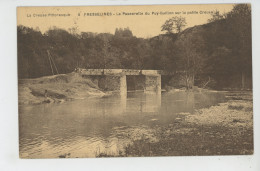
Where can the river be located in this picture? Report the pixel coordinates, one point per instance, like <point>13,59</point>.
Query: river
<point>89,127</point>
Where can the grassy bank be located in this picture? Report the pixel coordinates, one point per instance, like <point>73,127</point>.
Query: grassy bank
<point>225,129</point>
<point>57,88</point>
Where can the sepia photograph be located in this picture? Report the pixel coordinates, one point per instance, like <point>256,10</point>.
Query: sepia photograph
<point>135,81</point>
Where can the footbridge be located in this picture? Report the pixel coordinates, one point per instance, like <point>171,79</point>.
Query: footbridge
<point>117,79</point>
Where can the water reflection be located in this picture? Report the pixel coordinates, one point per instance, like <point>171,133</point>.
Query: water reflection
<point>85,128</point>
<point>143,102</point>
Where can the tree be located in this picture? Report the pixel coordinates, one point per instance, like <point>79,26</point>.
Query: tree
<point>230,46</point>
<point>215,16</point>
<point>126,32</point>
<point>240,22</point>
<point>162,53</point>
<point>191,56</point>
<point>174,25</point>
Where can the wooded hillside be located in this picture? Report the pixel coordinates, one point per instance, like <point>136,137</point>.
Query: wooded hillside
<point>219,52</point>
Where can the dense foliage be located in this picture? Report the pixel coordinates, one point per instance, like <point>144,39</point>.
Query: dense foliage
<point>217,54</point>
<point>89,50</point>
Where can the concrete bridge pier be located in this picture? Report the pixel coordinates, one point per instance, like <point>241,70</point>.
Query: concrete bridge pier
<point>153,83</point>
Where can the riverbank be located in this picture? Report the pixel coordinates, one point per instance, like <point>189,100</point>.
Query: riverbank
<point>225,129</point>
<point>56,89</point>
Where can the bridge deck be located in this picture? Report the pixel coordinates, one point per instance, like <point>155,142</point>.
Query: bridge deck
<point>122,72</point>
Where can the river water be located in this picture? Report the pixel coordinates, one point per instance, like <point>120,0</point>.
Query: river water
<point>89,127</point>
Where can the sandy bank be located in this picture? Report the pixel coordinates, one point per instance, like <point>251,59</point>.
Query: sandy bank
<point>231,114</point>
<point>57,88</point>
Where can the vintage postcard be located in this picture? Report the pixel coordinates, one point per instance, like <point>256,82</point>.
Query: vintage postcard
<point>132,81</point>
